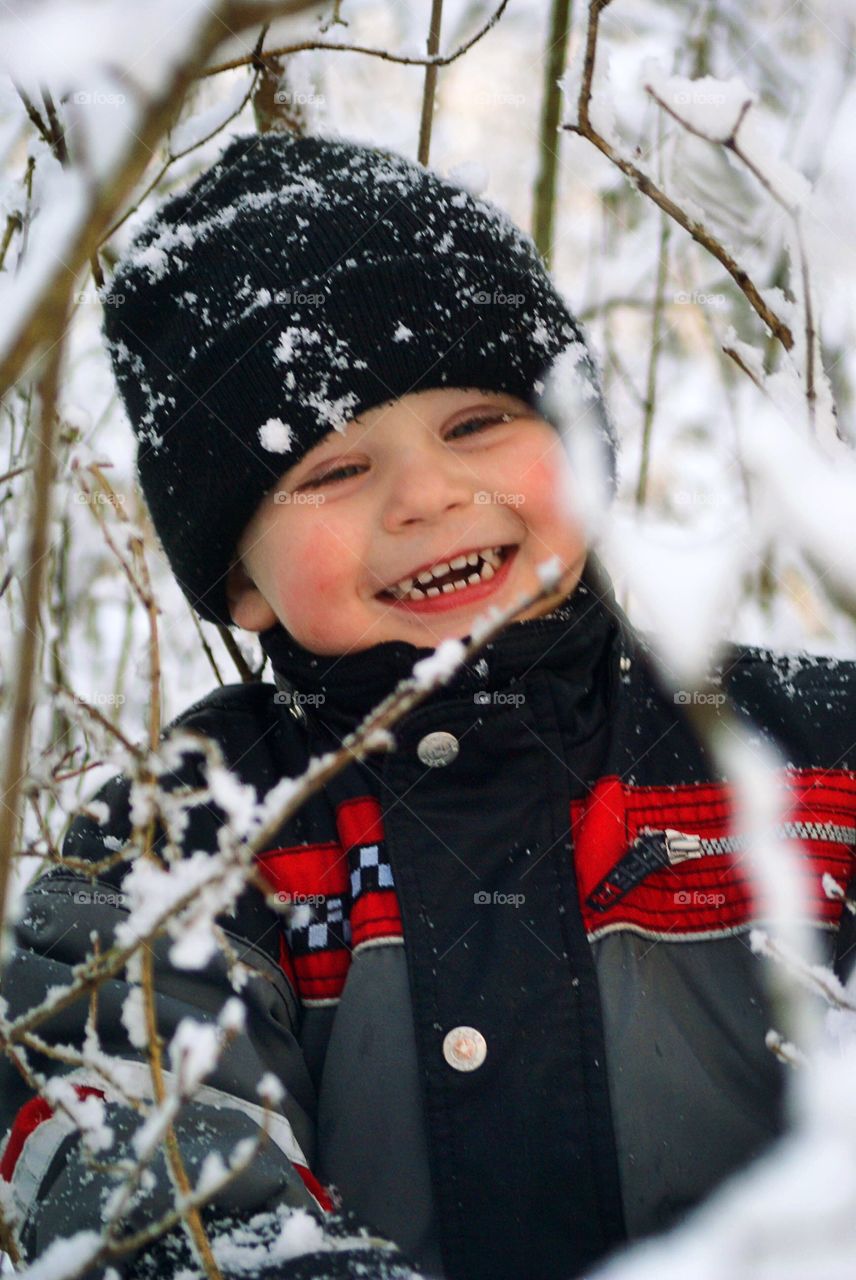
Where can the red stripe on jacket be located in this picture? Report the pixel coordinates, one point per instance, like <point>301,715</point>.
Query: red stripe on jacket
<point>716,892</point>
<point>28,1119</point>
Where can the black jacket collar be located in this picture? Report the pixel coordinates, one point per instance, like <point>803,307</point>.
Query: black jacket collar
<point>344,688</point>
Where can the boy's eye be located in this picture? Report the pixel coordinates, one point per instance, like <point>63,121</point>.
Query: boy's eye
<point>338,473</point>
<point>474,424</point>
<point>465,428</point>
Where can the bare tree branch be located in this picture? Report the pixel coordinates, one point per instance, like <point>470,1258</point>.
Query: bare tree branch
<point>647,187</point>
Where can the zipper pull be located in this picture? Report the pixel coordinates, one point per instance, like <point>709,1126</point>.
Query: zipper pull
<point>650,851</point>
<point>681,847</point>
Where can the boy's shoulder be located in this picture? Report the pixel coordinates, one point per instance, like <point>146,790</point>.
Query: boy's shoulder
<point>250,697</point>
<point>252,723</point>
<point>786,671</point>
<point>227,708</point>
<point>256,737</point>
<point>807,700</point>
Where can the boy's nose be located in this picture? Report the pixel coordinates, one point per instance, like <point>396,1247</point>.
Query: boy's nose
<point>424,485</point>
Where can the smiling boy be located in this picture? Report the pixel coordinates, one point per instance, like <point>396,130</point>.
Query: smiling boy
<point>424,483</point>
<point>515,1027</point>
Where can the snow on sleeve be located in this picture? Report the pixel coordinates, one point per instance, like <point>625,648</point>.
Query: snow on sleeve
<point>134,1018</point>
<point>194,1050</point>
<point>65,1257</point>
<point>402,333</point>
<point>270,1089</point>
<point>87,1113</point>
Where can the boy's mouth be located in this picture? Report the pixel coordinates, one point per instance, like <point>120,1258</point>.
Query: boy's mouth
<point>464,579</point>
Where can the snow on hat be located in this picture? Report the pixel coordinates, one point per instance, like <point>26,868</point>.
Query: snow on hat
<point>296,284</point>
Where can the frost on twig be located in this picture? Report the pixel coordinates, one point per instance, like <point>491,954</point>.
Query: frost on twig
<point>587,127</point>
<point>814,977</point>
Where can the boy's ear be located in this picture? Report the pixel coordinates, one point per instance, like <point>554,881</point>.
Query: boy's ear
<point>247,605</point>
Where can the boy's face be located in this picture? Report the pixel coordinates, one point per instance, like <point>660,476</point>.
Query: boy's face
<point>408,485</point>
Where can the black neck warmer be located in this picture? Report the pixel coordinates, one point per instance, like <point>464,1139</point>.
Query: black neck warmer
<point>573,638</point>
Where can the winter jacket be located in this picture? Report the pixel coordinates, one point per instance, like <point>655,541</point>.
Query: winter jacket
<point>514,1005</point>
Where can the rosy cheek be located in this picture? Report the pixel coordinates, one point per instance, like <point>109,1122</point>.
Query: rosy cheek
<point>314,567</point>
<point>544,488</point>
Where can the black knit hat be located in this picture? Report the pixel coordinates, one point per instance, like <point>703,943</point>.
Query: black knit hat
<point>296,284</point>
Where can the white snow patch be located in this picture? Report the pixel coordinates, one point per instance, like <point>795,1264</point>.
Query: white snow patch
<point>441,664</point>
<point>276,436</point>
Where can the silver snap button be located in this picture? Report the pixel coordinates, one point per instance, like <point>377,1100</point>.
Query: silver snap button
<point>437,749</point>
<point>464,1048</point>
<point>624,662</point>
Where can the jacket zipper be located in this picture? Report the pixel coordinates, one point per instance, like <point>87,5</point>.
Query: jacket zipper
<point>653,850</point>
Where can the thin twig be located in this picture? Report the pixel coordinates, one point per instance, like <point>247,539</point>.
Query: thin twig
<point>179,155</point>
<point>546,181</point>
<point>23,692</point>
<point>653,360</point>
<point>429,93</point>
<point>45,316</point>
<point>190,1213</point>
<point>731,143</point>
<point>584,127</point>
<point>235,654</point>
<point>403,59</point>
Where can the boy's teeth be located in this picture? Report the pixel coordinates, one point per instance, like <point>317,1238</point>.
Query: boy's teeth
<point>488,561</point>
